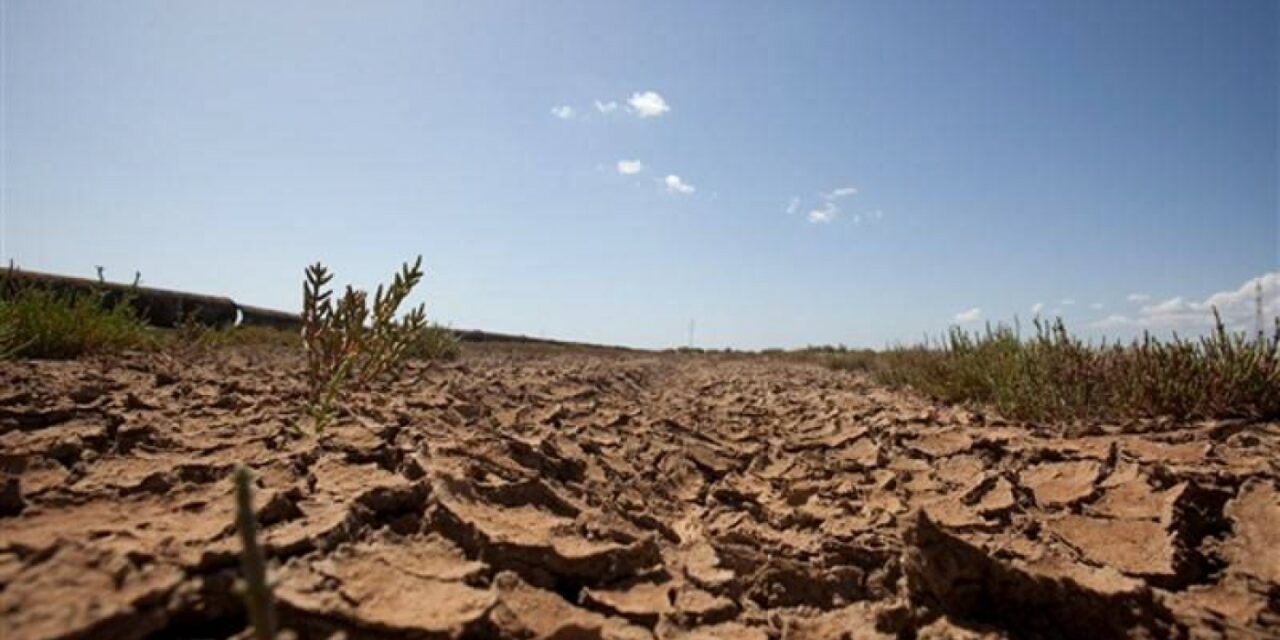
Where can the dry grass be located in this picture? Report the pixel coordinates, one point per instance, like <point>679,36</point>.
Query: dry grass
<point>1055,376</point>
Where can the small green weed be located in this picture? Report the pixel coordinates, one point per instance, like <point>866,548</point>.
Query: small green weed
<point>349,342</point>
<point>253,565</point>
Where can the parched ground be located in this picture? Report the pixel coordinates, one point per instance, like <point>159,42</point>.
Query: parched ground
<point>553,494</point>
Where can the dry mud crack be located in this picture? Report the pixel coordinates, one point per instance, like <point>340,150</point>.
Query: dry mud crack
<point>535,494</point>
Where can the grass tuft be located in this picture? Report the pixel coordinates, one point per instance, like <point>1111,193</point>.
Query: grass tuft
<point>40,323</point>
<point>434,342</point>
<point>1057,376</point>
<point>192,337</point>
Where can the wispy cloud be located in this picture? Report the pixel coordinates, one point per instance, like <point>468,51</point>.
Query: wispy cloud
<point>1172,305</point>
<point>1067,302</point>
<point>648,104</point>
<point>1112,322</point>
<point>828,209</point>
<point>824,214</point>
<point>630,167</point>
<point>1238,308</point>
<point>1037,308</point>
<point>1097,306</point>
<point>841,192</point>
<point>1139,297</point>
<point>867,216</point>
<point>643,104</point>
<point>971,315</point>
<point>674,184</point>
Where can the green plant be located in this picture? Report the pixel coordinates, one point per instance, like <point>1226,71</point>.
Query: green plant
<point>256,590</point>
<point>37,322</point>
<point>9,345</point>
<point>1054,375</point>
<point>349,342</point>
<point>434,342</point>
<point>192,337</point>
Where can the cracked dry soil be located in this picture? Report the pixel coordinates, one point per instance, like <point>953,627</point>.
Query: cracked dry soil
<point>591,494</point>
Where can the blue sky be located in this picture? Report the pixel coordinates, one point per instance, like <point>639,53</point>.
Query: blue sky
<point>1004,154</point>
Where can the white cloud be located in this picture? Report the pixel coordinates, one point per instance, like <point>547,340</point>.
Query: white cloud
<point>1037,308</point>
<point>564,112</point>
<point>1097,306</point>
<point>841,192</point>
<point>971,315</point>
<point>868,216</point>
<point>824,215</point>
<point>630,167</point>
<point>606,107</point>
<point>675,185</point>
<point>828,210</point>
<point>648,104</point>
<point>1172,305</point>
<point>1112,322</point>
<point>1066,302</point>
<point>1139,297</point>
<point>1237,307</point>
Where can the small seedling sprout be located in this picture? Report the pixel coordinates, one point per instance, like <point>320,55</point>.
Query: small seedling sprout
<point>257,593</point>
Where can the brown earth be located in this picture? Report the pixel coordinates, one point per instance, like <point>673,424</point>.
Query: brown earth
<point>534,494</point>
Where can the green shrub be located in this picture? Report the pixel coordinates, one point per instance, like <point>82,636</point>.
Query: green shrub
<point>434,342</point>
<point>353,340</point>
<point>36,322</point>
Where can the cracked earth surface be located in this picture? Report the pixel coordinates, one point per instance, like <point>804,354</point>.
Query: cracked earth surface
<point>557,494</point>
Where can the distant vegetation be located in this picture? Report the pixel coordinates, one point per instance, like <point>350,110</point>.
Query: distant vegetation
<point>46,322</point>
<point>1054,375</point>
<point>434,342</point>
<point>192,336</point>
<point>40,323</point>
